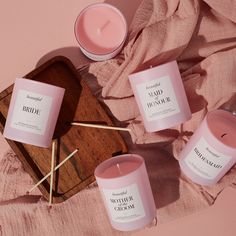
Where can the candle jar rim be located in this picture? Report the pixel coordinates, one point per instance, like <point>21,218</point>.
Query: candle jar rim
<point>118,11</point>
<point>151,69</point>
<point>38,83</point>
<point>102,166</point>
<point>209,117</point>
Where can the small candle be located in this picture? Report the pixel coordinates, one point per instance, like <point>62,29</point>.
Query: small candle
<point>33,112</point>
<point>126,191</point>
<point>100,30</point>
<point>160,96</point>
<point>211,151</point>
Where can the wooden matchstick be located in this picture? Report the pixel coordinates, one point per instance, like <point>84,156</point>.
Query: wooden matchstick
<point>52,167</point>
<point>57,167</point>
<point>100,126</point>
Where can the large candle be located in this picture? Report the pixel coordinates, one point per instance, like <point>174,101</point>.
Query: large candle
<point>100,30</point>
<point>211,151</point>
<point>126,191</point>
<point>160,96</point>
<point>33,112</point>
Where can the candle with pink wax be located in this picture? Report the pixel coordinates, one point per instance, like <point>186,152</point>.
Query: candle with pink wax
<point>160,96</point>
<point>100,30</point>
<point>33,112</point>
<point>211,151</point>
<point>126,191</point>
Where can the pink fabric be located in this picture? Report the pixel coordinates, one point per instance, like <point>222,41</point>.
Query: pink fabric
<point>201,35</point>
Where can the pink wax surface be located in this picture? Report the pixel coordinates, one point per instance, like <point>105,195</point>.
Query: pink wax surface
<point>100,28</point>
<point>120,169</point>
<point>224,128</point>
<point>23,123</point>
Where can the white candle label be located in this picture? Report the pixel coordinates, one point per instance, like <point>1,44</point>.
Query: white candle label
<point>31,112</point>
<point>158,98</point>
<point>205,161</point>
<point>124,204</point>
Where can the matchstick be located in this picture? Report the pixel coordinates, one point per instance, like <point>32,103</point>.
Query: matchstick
<point>57,167</point>
<point>52,167</point>
<point>100,126</point>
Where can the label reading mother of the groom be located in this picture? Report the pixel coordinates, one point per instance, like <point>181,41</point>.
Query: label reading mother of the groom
<point>205,161</point>
<point>158,98</point>
<point>124,204</point>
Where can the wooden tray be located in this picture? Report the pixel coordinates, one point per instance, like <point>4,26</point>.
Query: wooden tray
<point>95,145</point>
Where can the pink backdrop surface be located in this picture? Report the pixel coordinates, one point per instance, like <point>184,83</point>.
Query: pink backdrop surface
<point>32,32</point>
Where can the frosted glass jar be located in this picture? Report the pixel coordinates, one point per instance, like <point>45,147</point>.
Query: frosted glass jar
<point>33,112</point>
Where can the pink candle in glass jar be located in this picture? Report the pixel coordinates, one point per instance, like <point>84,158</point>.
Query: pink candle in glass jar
<point>211,151</point>
<point>126,191</point>
<point>100,30</point>
<point>160,96</point>
<point>33,112</point>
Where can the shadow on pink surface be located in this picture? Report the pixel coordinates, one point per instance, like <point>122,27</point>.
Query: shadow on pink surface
<point>127,10</point>
<point>163,171</point>
<point>73,53</point>
<point>25,199</point>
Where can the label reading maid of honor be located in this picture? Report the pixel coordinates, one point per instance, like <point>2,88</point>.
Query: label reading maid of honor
<point>124,204</point>
<point>158,98</point>
<point>205,161</point>
<point>31,112</point>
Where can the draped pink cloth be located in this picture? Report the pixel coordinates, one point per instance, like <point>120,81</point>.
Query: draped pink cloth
<point>201,36</point>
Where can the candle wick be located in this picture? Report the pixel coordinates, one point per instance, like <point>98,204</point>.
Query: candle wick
<point>223,135</point>
<point>100,29</point>
<point>118,166</point>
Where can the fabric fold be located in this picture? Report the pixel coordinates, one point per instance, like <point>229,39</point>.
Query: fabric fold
<point>201,36</point>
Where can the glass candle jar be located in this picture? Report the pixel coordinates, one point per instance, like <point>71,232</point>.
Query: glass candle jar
<point>126,191</point>
<point>160,96</point>
<point>33,112</point>
<point>211,151</point>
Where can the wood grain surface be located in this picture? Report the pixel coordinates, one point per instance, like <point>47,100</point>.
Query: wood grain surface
<point>95,145</point>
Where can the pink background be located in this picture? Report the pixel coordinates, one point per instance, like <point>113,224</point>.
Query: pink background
<point>217,220</point>
<point>32,32</point>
